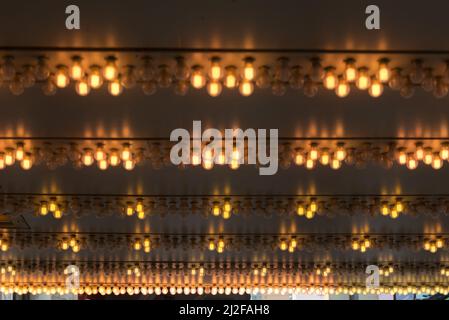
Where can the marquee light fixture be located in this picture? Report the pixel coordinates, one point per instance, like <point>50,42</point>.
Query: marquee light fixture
<point>212,277</point>
<point>107,153</point>
<point>176,68</point>
<point>288,242</point>
<point>224,206</point>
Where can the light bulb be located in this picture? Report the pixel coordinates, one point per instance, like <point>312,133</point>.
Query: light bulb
<point>299,156</point>
<point>441,88</point>
<point>385,210</point>
<point>149,87</point>
<point>16,86</point>
<point>114,158</point>
<point>20,151</point>
<point>282,70</point>
<point>95,79</point>
<point>340,153</point>
<point>164,77</point>
<point>27,162</point>
<point>76,70</point>
<point>296,80</point>
<point>376,89</point>
<point>128,78</point>
<point>310,164</point>
<point>325,157</point>
<point>42,71</point>
<point>230,78</point>
<point>350,73</point>
<point>146,71</point>
<point>182,71</point>
<point>115,88</point>
<point>335,164</point>
<point>43,208</point>
<point>126,154</point>
<point>419,151</point>
<point>139,206</point>
<point>316,73</point>
<point>57,214</point>
<point>428,84</point>
<point>396,79</point>
<point>214,88</point>
<point>110,71</point>
<point>100,154</point>
<point>103,164</point>
<point>363,81</point>
<point>28,77</point>
<point>310,87</point>
<point>88,157</point>
<point>215,71</point>
<point>129,165</point>
<point>8,69</point>
<point>216,211</point>
<point>249,73</point>
<point>10,158</point>
<point>402,156</point>
<point>417,74</point>
<point>2,161</point>
<point>343,88</point>
<point>198,79</point>
<point>49,87</point>
<point>428,156</point>
<point>330,79</point>
<point>82,87</point>
<point>412,163</point>
<point>246,88</point>
<point>437,162</point>
<point>62,76</point>
<point>407,90</point>
<point>444,152</point>
<point>383,72</point>
<point>300,210</point>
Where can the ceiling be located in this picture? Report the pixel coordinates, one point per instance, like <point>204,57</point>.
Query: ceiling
<point>320,24</point>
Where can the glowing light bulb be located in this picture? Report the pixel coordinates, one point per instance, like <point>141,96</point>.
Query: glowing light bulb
<point>419,151</point>
<point>57,214</point>
<point>246,88</point>
<point>137,246</point>
<point>100,154</point>
<point>330,79</point>
<point>95,79</point>
<point>300,210</point>
<point>198,79</point>
<point>376,89</point>
<point>129,209</point>
<point>437,162</point>
<point>103,164</point>
<point>428,156</point>
<point>249,73</point>
<point>211,245</point>
<point>299,157</point>
<point>227,207</point>
<point>310,164</point>
<point>215,72</point>
<point>343,88</point>
<point>325,157</point>
<point>10,158</point>
<point>82,87</point>
<point>76,70</point>
<point>214,88</point>
<point>115,88</point>
<point>114,158</point>
<point>62,76</point>
<point>402,156</point>
<point>52,206</point>
<point>129,165</point>
<point>385,210</point>
<point>350,73</point>
<point>126,152</point>
<point>313,153</point>
<point>383,72</point>
<point>412,163</point>
<point>88,157</point>
<point>399,206</point>
<point>20,151</point>
<point>230,79</point>
<point>27,162</point>
<point>444,152</point>
<point>363,81</point>
<point>335,164</point>
<point>110,71</point>
<point>43,208</point>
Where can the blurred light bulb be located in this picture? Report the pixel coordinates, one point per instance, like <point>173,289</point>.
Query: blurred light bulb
<point>182,71</point>
<point>412,163</point>
<point>62,76</point>
<point>129,79</point>
<point>330,79</point>
<point>147,69</point>
<point>8,69</point>
<point>149,87</point>
<point>82,87</point>
<point>115,88</point>
<point>42,71</point>
<point>350,73</point>
<point>246,88</point>
<point>214,88</point>
<point>249,73</point>
<point>88,157</point>
<point>376,89</point>
<point>444,152</point>
<point>296,80</point>
<point>316,73</point>
<point>215,71</point>
<point>114,158</point>
<point>198,79</point>
<point>363,82</point>
<point>417,73</point>
<point>129,165</point>
<point>310,87</point>
<point>264,79</point>
<point>383,72</point>
<point>76,69</point>
<point>27,162</point>
<point>441,88</point>
<point>230,78</point>
<point>95,79</point>
<point>16,86</point>
<point>10,158</point>
<point>28,76</point>
<point>110,71</point>
<point>437,162</point>
<point>49,87</point>
<point>20,151</point>
<point>164,77</point>
<point>282,70</point>
<point>343,88</point>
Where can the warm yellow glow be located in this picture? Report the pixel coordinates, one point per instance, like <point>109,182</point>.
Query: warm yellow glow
<point>230,79</point>
<point>129,165</point>
<point>383,73</point>
<point>214,88</point>
<point>216,71</point>
<point>343,88</point>
<point>88,157</point>
<point>363,81</point>
<point>62,77</point>
<point>249,72</point>
<point>114,158</point>
<point>27,162</point>
<point>330,80</point>
<point>350,70</point>
<point>115,88</point>
<point>110,71</point>
<point>76,70</point>
<point>246,88</point>
<point>198,79</point>
<point>82,87</point>
<point>94,79</point>
<point>376,89</point>
<point>419,152</point>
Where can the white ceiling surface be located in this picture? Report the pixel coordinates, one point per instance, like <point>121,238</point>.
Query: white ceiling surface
<point>247,24</point>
